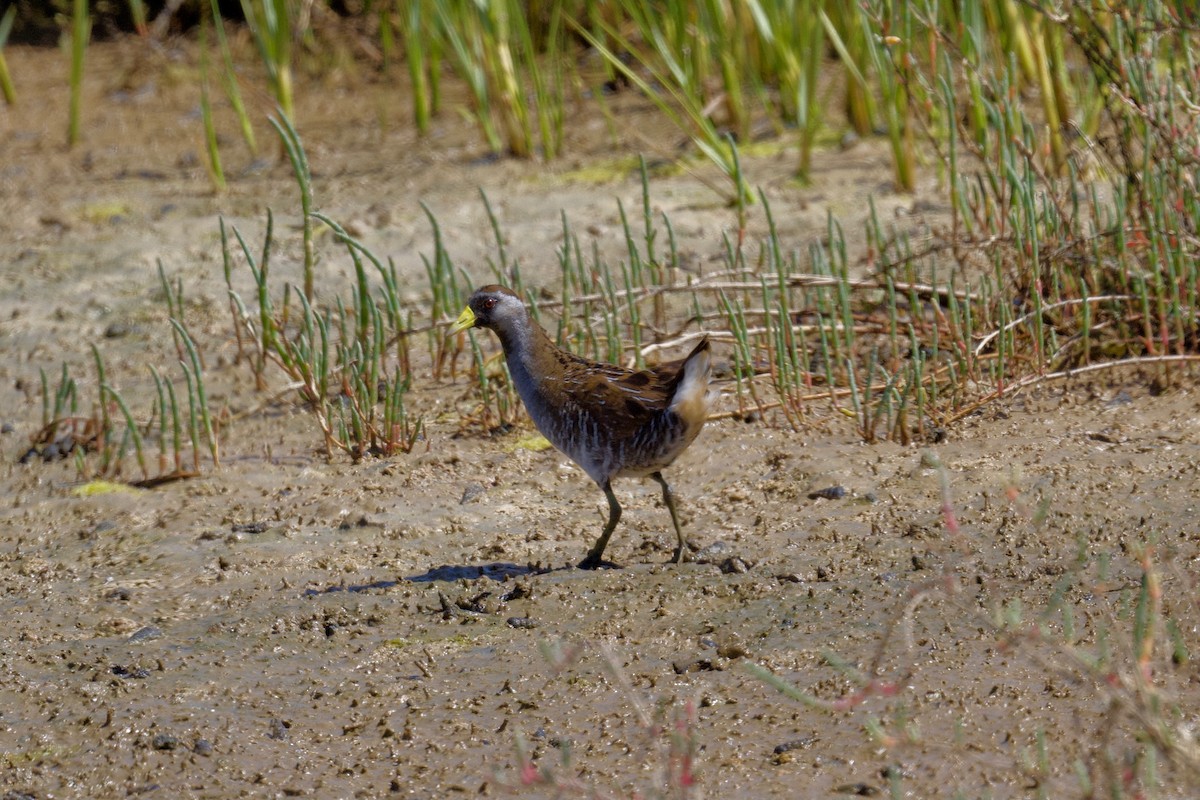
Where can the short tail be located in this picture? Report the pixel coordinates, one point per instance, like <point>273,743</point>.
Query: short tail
<point>691,399</point>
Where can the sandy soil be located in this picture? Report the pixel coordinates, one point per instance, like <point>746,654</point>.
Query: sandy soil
<point>379,633</point>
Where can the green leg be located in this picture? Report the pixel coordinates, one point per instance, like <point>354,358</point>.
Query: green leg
<point>669,499</point>
<point>593,559</point>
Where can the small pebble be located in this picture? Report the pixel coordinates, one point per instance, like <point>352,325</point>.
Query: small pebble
<point>278,730</point>
<point>731,650</point>
<point>682,666</point>
<point>524,623</point>
<point>121,671</point>
<point>164,741</point>
<point>6,427</point>
<point>709,554</point>
<point>734,566</point>
<point>144,634</point>
<point>828,493</point>
<point>471,492</point>
<point>1121,398</point>
<point>202,747</point>
<point>795,744</point>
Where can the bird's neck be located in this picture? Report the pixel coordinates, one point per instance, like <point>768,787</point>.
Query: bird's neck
<point>525,349</point>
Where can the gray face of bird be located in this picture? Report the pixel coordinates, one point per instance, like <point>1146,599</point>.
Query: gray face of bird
<point>499,309</point>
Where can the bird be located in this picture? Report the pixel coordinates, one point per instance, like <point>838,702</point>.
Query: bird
<point>611,421</point>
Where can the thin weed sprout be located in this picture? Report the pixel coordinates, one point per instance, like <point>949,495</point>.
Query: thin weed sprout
<point>102,440</point>
<point>1129,659</point>
<point>665,730</point>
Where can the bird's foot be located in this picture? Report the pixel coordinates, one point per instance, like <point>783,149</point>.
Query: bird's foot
<point>594,561</point>
<point>683,553</point>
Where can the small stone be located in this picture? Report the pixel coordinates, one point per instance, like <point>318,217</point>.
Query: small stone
<point>144,634</point>
<point>138,673</point>
<point>731,650</point>
<point>734,566</point>
<point>713,552</point>
<point>278,730</point>
<point>471,492</point>
<point>164,741</point>
<point>683,666</point>
<point>522,623</point>
<point>802,743</point>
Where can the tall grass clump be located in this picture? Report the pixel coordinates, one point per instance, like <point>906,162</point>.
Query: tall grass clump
<point>6,85</point>
<point>517,82</point>
<point>271,23</point>
<point>233,92</point>
<point>423,55</point>
<point>675,58</point>
<point>215,169</point>
<point>1043,272</point>
<point>81,31</point>
<point>346,360</point>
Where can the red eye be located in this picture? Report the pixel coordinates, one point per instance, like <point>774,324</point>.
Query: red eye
<point>489,303</point>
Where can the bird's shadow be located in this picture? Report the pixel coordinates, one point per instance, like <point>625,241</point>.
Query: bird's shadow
<point>502,571</point>
<point>498,571</point>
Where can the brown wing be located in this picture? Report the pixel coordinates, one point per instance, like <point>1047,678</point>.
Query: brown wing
<point>624,399</point>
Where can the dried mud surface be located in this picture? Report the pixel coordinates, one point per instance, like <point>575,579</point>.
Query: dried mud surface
<point>378,634</point>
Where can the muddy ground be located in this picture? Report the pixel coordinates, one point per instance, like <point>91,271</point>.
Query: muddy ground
<point>378,633</point>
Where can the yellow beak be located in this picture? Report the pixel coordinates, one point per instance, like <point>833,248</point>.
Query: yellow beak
<point>465,320</point>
